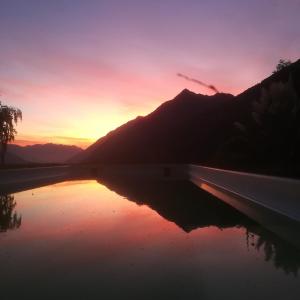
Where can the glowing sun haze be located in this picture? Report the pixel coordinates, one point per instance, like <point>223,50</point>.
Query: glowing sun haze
<point>79,69</point>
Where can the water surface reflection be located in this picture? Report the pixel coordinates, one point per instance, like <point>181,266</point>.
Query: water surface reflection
<point>83,240</point>
<point>190,208</point>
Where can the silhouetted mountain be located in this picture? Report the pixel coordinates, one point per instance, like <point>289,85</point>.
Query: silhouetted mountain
<point>174,132</point>
<point>193,128</point>
<point>47,153</point>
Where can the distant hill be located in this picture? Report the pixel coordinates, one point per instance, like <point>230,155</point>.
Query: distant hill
<point>43,153</point>
<point>13,159</point>
<point>194,128</point>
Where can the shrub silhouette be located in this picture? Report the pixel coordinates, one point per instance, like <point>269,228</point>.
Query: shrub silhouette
<point>9,117</point>
<point>281,65</point>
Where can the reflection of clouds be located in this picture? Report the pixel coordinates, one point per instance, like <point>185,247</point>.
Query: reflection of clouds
<point>9,219</point>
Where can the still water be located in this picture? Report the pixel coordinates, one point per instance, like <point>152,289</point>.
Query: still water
<point>125,239</point>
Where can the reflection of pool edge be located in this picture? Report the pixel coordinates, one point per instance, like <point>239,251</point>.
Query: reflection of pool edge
<point>285,227</point>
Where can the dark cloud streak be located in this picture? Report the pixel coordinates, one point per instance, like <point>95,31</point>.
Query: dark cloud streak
<point>209,86</point>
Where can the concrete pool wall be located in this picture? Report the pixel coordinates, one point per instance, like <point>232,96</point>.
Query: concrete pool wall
<point>271,201</point>
<point>15,180</point>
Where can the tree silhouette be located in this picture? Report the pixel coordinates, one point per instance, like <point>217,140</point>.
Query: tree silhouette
<point>276,119</point>
<point>271,138</point>
<point>282,64</point>
<point>9,219</point>
<point>9,117</point>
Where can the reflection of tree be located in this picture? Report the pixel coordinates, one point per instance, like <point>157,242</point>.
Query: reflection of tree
<point>9,219</point>
<point>282,254</point>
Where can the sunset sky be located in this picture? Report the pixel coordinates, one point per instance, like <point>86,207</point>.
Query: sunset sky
<point>80,68</point>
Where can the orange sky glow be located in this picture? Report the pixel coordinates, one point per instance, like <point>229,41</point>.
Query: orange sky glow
<point>78,70</point>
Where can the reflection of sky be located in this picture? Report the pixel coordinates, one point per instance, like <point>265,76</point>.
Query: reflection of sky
<point>79,238</point>
<point>80,68</point>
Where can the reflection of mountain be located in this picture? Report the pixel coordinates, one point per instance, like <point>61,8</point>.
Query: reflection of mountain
<point>9,219</point>
<point>180,202</point>
<point>190,208</point>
